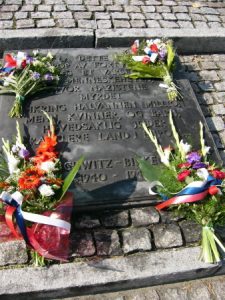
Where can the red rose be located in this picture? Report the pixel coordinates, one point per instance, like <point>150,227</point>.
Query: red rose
<point>154,48</point>
<point>23,64</point>
<point>213,190</point>
<point>182,175</point>
<point>134,49</point>
<point>184,165</point>
<point>146,60</point>
<point>218,174</point>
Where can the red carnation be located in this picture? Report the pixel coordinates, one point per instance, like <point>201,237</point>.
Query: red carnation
<point>154,48</point>
<point>184,165</point>
<point>182,175</point>
<point>213,190</point>
<point>218,174</point>
<point>146,60</point>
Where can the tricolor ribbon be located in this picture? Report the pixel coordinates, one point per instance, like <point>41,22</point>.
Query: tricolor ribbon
<point>195,191</point>
<point>14,202</point>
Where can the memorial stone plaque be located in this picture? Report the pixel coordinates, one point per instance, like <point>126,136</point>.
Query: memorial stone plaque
<point>98,113</point>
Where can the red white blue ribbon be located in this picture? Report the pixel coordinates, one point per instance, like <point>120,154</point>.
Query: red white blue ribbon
<point>195,191</point>
<point>14,202</point>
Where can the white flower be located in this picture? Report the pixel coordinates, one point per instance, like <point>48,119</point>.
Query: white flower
<point>12,163</point>
<point>167,152</point>
<point>165,161</point>
<point>203,173</point>
<point>47,166</point>
<point>21,56</point>
<point>8,80</point>
<point>49,55</point>
<point>35,52</point>
<point>46,190</point>
<point>185,147</point>
<point>206,149</point>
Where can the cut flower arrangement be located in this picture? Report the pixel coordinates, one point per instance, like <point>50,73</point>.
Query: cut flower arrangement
<point>191,185</point>
<point>25,75</point>
<point>33,191</point>
<point>151,59</point>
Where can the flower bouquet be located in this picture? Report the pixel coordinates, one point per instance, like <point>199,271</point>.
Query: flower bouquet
<point>33,191</point>
<point>24,75</point>
<point>151,59</point>
<point>191,186</point>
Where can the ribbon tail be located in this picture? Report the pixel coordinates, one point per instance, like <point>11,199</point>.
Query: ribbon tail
<point>9,220</point>
<point>182,199</point>
<point>42,251</point>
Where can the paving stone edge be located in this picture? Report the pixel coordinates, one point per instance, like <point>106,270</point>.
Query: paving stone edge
<point>46,38</point>
<point>187,41</point>
<point>113,274</point>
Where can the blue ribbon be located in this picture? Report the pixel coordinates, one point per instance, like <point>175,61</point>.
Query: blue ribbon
<point>19,218</point>
<point>196,190</point>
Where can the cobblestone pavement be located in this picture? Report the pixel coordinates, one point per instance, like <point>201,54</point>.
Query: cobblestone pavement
<point>94,14</point>
<point>213,289</point>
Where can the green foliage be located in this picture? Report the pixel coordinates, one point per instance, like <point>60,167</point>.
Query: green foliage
<point>207,212</point>
<point>149,171</point>
<point>70,177</point>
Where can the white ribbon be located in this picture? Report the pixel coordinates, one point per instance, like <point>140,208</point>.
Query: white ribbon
<point>202,173</point>
<point>51,220</point>
<point>138,58</point>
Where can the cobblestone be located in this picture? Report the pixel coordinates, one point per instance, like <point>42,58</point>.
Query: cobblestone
<point>215,123</point>
<point>21,15</point>
<point>87,222</point>
<point>115,219</point>
<point>107,243</point>
<point>191,231</point>
<point>82,244</point>
<point>175,14</point>
<point>167,236</point>
<point>45,23</point>
<point>152,23</point>
<point>137,239</point>
<point>66,23</point>
<point>104,24</point>
<point>26,23</point>
<point>144,216</point>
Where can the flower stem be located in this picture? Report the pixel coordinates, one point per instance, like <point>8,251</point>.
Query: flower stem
<point>17,109</point>
<point>209,252</point>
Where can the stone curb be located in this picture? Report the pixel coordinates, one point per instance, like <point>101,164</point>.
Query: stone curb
<point>107,275</point>
<point>46,38</point>
<point>187,41</point>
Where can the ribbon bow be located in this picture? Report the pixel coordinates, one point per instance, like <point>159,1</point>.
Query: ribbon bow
<point>14,203</point>
<point>195,191</point>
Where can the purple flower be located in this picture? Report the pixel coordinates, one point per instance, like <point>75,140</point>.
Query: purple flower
<point>24,153</point>
<point>48,77</point>
<point>193,157</point>
<point>162,54</point>
<point>29,59</point>
<point>36,75</point>
<point>199,165</point>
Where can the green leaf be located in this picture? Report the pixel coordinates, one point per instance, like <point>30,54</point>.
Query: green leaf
<point>149,171</point>
<point>170,55</point>
<point>189,179</point>
<point>70,177</point>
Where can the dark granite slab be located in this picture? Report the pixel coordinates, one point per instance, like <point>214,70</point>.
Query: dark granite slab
<point>98,114</point>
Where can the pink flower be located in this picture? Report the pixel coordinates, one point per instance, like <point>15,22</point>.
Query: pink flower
<point>146,60</point>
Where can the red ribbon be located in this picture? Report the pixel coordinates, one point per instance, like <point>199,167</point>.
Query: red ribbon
<point>49,241</point>
<point>182,199</point>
